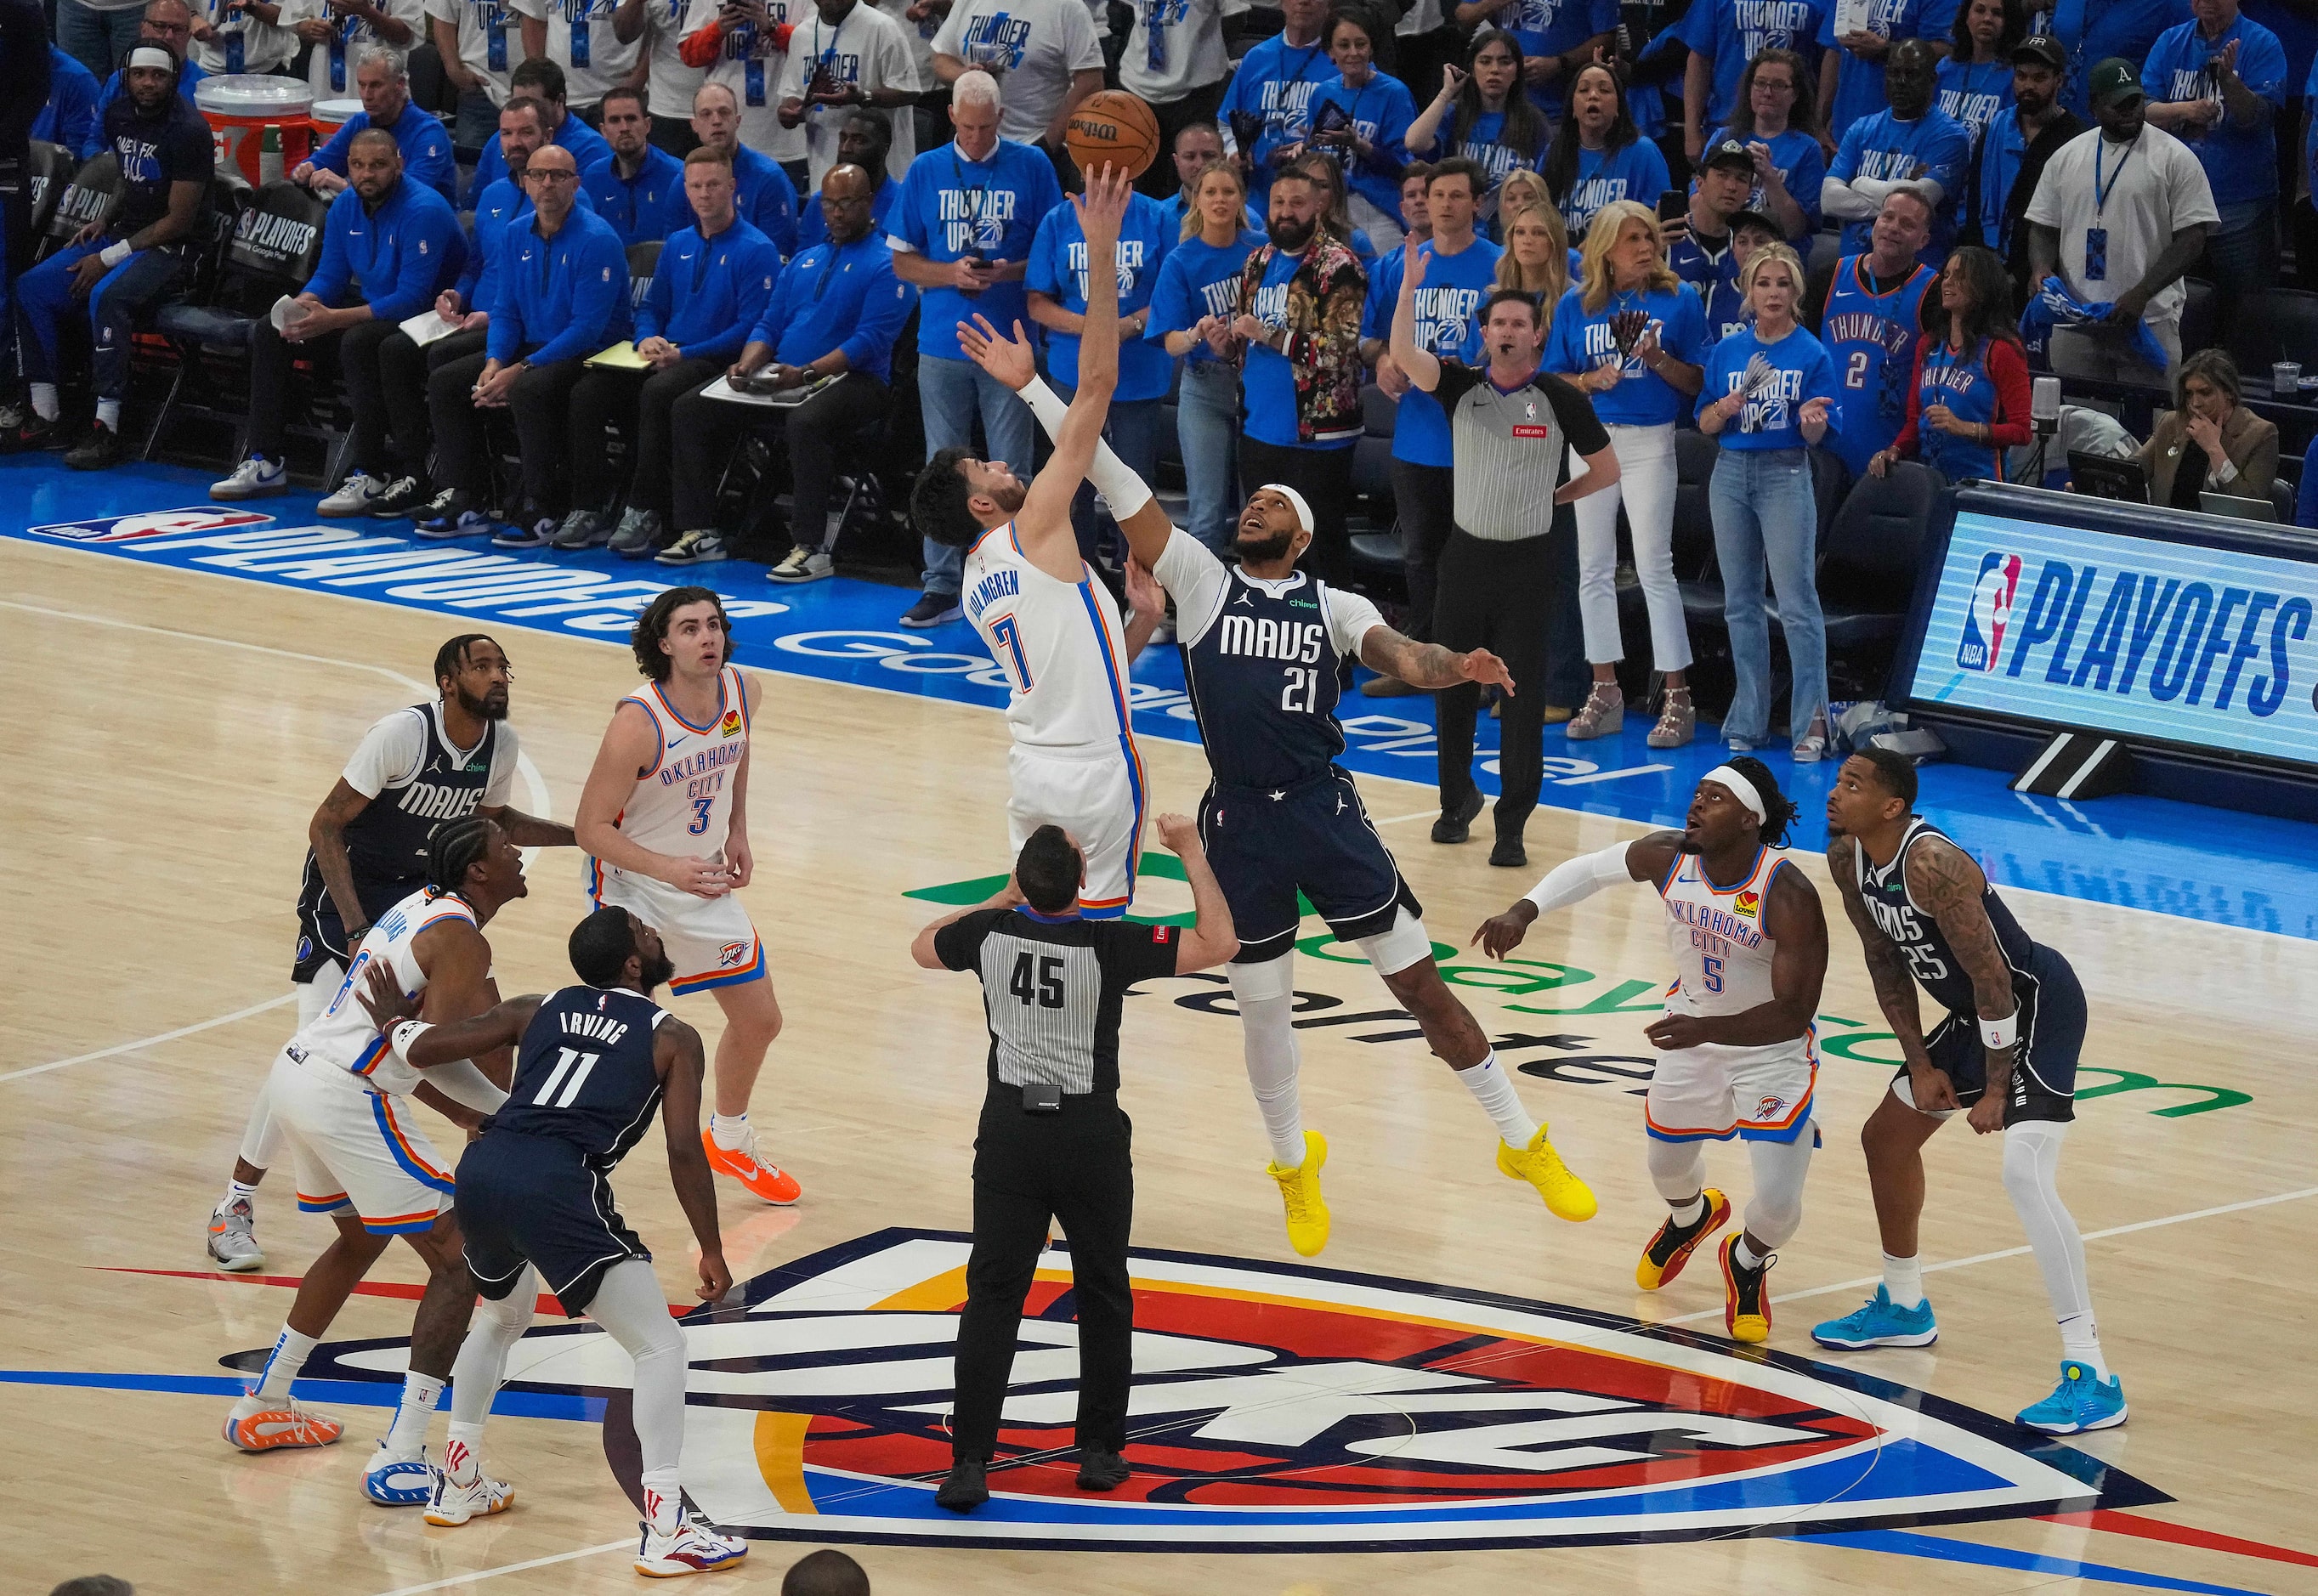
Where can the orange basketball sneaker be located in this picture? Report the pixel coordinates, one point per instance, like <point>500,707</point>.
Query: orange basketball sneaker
<point>289,1425</point>
<point>774,1185</point>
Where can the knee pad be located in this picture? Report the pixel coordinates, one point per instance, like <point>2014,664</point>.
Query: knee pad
<point>1394,950</point>
<point>1259,983</point>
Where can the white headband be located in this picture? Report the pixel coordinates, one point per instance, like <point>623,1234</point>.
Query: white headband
<point>1741,788</point>
<point>1303,510</point>
<point>152,55</point>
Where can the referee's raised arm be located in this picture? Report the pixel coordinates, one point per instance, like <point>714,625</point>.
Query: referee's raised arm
<point>923,950</point>
<point>1212,940</point>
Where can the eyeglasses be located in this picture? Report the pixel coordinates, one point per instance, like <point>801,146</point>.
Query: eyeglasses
<point>551,176</point>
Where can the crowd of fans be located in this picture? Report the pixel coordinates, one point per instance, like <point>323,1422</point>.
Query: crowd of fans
<point>1725,216</point>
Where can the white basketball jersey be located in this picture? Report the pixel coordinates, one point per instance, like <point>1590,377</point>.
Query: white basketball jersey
<point>1061,645</point>
<point>1721,954</point>
<point>682,803</point>
<point>343,1034</point>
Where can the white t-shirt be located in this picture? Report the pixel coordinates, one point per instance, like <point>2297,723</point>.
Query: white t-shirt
<point>1034,45</point>
<point>476,20</point>
<point>865,49</point>
<point>1422,18</point>
<point>669,83</point>
<point>761,122</point>
<point>1192,49</point>
<point>609,61</point>
<point>392,749</point>
<point>264,45</point>
<point>410,13</point>
<point>920,35</point>
<point>2159,189</point>
<point>1201,584</point>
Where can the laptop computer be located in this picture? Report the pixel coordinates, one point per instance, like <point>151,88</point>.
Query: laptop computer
<point>2238,506</point>
<point>2109,476</point>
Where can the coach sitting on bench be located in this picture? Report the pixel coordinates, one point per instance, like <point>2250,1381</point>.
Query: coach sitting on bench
<point>390,245</point>
<point>382,79</point>
<point>835,314</point>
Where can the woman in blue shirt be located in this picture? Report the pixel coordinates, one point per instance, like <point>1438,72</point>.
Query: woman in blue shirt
<point>1776,109</point>
<point>1768,396</point>
<point>1482,114</point>
<point>1975,82</point>
<point>1598,156</point>
<point>1632,335</point>
<point>1376,110</point>
<point>1191,312</point>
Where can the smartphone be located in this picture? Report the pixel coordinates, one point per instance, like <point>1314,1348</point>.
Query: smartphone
<point>1673,205</point>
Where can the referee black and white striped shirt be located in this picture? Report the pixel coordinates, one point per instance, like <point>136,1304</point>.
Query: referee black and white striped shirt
<point>1511,448</point>
<point>1051,989</point>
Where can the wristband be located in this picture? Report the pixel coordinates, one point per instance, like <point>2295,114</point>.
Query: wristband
<point>401,1038</point>
<point>114,254</point>
<point>2000,1034</point>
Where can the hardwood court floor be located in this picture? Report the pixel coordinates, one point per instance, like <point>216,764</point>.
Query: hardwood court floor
<point>174,733</point>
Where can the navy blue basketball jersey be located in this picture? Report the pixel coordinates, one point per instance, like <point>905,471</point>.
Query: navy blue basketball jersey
<point>387,841</point>
<point>1934,965</point>
<point>583,1072</point>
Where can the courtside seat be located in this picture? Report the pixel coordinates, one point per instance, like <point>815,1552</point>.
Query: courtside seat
<point>92,195</point>
<point>48,173</point>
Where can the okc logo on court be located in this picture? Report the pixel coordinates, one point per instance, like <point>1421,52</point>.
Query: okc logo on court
<point>1278,1406</point>
<point>124,529</point>
<point>1981,646</point>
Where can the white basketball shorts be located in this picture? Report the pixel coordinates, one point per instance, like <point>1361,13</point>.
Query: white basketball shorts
<point>1097,795</point>
<point>1712,1093</point>
<point>711,941</point>
<point>355,1149</point>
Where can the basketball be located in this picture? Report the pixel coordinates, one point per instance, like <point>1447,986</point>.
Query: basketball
<point>1112,127</point>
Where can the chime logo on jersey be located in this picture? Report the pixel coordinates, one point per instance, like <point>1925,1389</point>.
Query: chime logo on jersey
<point>1989,612</point>
<point>1279,1406</point>
<point>123,529</point>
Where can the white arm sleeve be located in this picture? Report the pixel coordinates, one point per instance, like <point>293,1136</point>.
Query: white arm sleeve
<point>1188,569</point>
<point>1845,200</point>
<point>1574,880</point>
<point>499,787</point>
<point>389,753</point>
<point>1126,492</point>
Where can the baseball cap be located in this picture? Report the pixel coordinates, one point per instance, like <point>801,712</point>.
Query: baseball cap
<point>1756,218</point>
<point>2113,82</point>
<point>1729,152</point>
<point>2043,47</point>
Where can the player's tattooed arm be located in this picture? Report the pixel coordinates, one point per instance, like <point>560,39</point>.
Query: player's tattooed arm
<point>1887,969</point>
<point>1948,885</point>
<point>529,830</point>
<point>328,834</point>
<point>1429,665</point>
<point>678,1055</point>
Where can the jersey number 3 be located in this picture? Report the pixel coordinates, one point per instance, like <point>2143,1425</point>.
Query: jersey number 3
<point>1046,990</point>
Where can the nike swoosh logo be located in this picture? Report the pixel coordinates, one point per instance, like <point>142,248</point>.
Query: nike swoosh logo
<point>674,740</point>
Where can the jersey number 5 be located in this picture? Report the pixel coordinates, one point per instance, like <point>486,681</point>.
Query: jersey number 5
<point>1046,991</point>
<point>1709,971</point>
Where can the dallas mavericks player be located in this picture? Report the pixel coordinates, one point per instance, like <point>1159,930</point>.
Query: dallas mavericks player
<point>593,1064</point>
<point>416,769</point>
<point>1263,646</point>
<point>1735,1056</point>
<point>1047,620</point>
<point>2005,1052</point>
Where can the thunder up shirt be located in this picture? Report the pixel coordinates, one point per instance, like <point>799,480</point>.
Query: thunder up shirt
<point>1483,143</point>
<point>330,66</point>
<point>1196,280</point>
<point>1268,379</point>
<point>1730,33</point>
<point>838,297</point>
<point>1799,370</point>
<point>1059,266</point>
<point>1553,28</point>
<point>1871,338</point>
<point>1448,326</point>
<point>424,143</point>
<point>582,40</point>
<point>1800,162</point>
<point>1637,172</point>
<point>1381,110</point>
<point>490,41</point>
<point>2096,30</point>
<point>2240,162</point>
<point>950,208</point>
<point>1580,342</point>
<point>171,146</point>
<point>401,254</point>
<point>750,60</point>
<point>1032,47</point>
<point>1973,94</point>
<point>1859,88</point>
<point>1933,147</point>
<point>868,52</point>
<point>1175,46</point>
<point>1276,81</point>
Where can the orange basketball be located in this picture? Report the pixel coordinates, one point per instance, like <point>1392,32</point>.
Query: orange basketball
<point>1112,127</point>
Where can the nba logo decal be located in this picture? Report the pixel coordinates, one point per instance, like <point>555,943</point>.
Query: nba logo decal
<point>1982,642</point>
<point>731,726</point>
<point>124,529</point>
<point>1277,1407</point>
<point>732,953</point>
<point>1746,905</point>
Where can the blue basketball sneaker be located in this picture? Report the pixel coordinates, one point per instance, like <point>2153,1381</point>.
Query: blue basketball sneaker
<point>398,1482</point>
<point>1880,1322</point>
<point>2081,1401</point>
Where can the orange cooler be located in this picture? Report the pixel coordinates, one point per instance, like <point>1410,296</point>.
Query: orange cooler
<point>240,106</point>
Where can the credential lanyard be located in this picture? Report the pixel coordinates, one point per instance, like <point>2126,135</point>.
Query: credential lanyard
<point>2101,191</point>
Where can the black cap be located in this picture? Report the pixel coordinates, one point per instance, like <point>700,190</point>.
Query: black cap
<point>2044,48</point>
<point>1756,218</point>
<point>1729,152</point>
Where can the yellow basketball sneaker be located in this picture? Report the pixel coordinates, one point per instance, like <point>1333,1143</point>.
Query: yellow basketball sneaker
<point>1565,1194</point>
<point>1671,1248</point>
<point>1746,1303</point>
<point>1300,1192</point>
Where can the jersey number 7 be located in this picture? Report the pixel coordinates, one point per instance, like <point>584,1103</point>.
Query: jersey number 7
<point>1004,632</point>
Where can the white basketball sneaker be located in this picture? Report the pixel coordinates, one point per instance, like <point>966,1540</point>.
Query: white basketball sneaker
<point>694,1548</point>
<point>454,1502</point>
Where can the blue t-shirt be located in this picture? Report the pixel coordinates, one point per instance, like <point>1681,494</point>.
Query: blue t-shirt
<point>1580,343</point>
<point>1730,33</point>
<point>1275,81</point>
<point>1801,166</point>
<point>1555,28</point>
<point>1198,280</point>
<point>1448,324</point>
<point>1714,273</point>
<point>1773,416</point>
<point>1933,147</point>
<point>2094,30</point>
<point>70,116</point>
<point>1381,110</point>
<point>1059,266</point>
<point>1859,88</point>
<point>951,208</point>
<point>1484,143</point>
<point>1973,94</point>
<point>1636,173</point>
<point>424,143</point>
<point>2240,162</point>
<point>650,205</point>
<point>1268,380</point>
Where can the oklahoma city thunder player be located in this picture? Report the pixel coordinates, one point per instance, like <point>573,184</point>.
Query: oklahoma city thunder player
<point>363,1159</point>
<point>534,1202</point>
<point>665,819</point>
<point>1751,955</point>
<point>2006,1054</point>
<point>1053,627</point>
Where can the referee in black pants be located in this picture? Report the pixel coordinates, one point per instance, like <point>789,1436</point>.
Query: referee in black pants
<point>1053,1142</point>
<point>1511,430</point>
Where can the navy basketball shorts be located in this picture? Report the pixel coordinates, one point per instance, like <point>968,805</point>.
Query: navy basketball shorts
<point>2044,1062</point>
<point>533,1200</point>
<point>1268,846</point>
<point>322,934</point>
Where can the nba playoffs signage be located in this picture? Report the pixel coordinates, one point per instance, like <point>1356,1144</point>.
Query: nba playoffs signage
<point>1281,1407</point>
<point>2118,625</point>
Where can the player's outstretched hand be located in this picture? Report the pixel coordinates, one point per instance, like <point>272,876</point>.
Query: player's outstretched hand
<point>1144,596</point>
<point>1483,666</point>
<point>703,878</point>
<point>383,997</point>
<point>716,1278</point>
<point>1500,933</point>
<point>1181,833</point>
<point>1102,209</point>
<point>1008,360</point>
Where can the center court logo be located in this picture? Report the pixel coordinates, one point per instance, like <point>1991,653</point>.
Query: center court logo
<point>1981,646</point>
<point>1281,1406</point>
<point>123,529</point>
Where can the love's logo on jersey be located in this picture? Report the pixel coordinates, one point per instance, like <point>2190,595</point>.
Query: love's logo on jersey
<point>1746,905</point>
<point>1991,612</point>
<point>730,725</point>
<point>1279,1406</point>
<point>123,529</point>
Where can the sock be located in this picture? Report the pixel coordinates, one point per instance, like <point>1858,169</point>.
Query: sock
<point>408,1438</point>
<point>663,1501</point>
<point>46,404</point>
<point>1686,1214</point>
<point>2080,1344</point>
<point>288,1357</point>
<point>463,1453</point>
<point>234,1190</point>
<point>1493,1088</point>
<point>1903,1281</point>
<point>1746,1257</point>
<point>108,414</point>
<point>730,1130</point>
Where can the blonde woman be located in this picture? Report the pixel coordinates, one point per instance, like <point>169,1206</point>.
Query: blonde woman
<point>1191,312</point>
<point>1631,336</point>
<point>1768,399</point>
<point>1536,260</point>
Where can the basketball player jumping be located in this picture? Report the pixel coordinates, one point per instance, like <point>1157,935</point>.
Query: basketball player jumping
<point>1262,648</point>
<point>1047,620</point>
<point>664,817</point>
<point>362,1158</point>
<point>2004,1054</point>
<point>593,1064</point>
<point>1735,1056</point>
<point>415,770</point>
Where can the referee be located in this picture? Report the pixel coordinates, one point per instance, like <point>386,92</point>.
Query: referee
<point>1512,429</point>
<point>1052,1144</point>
